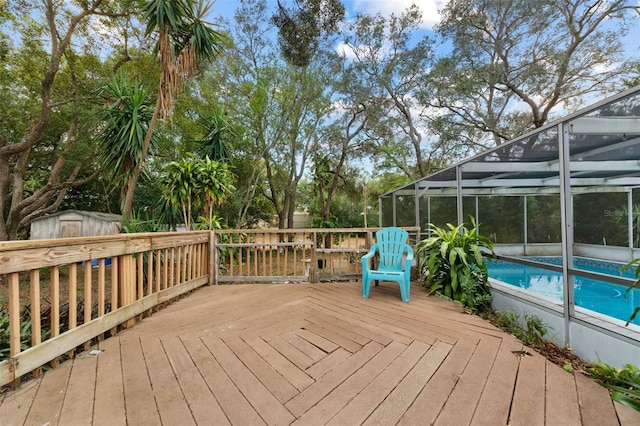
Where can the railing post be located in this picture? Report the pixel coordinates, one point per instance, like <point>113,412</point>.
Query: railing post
<point>127,283</point>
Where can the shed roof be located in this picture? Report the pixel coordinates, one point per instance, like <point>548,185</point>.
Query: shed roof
<point>107,217</point>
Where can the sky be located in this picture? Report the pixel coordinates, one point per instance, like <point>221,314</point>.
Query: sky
<point>429,8</point>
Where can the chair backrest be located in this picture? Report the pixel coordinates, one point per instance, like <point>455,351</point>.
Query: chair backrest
<point>391,245</point>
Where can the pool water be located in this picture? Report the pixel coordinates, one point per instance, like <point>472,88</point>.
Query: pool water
<point>599,296</point>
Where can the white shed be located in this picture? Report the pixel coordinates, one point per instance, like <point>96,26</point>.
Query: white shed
<point>75,223</point>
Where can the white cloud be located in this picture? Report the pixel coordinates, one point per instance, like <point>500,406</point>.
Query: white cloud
<point>429,8</point>
<point>346,50</point>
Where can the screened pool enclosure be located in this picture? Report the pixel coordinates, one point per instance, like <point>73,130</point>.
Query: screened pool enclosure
<point>557,198</point>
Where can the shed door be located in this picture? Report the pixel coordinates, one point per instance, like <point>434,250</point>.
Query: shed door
<point>70,228</point>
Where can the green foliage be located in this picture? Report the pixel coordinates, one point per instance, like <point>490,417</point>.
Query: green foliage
<point>220,134</point>
<point>204,223</point>
<point>193,183</point>
<point>624,384</point>
<point>126,122</point>
<point>25,336</point>
<point>452,263</point>
<point>140,222</point>
<point>300,30</point>
<point>532,334</point>
<point>539,47</point>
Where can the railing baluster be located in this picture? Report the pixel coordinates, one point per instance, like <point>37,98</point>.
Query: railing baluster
<point>150,272</point>
<point>140,275</point>
<point>115,273</point>
<point>158,265</point>
<point>101,287</point>
<point>54,289</point>
<point>14,314</point>
<point>172,267</point>
<point>87,294</point>
<point>73,300</point>
<point>36,335</point>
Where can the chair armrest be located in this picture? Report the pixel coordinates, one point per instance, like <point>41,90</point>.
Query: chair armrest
<point>408,260</point>
<point>372,251</point>
<point>409,252</point>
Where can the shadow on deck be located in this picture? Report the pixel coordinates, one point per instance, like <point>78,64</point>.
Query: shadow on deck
<point>311,354</point>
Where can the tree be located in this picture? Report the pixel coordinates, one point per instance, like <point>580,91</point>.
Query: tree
<point>280,106</point>
<point>340,144</point>
<point>634,80</point>
<point>392,71</point>
<point>44,99</point>
<point>126,123</point>
<point>185,40</point>
<point>300,30</point>
<point>514,63</point>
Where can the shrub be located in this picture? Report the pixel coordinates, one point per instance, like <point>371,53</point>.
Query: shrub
<point>533,332</point>
<point>452,264</point>
<point>25,336</point>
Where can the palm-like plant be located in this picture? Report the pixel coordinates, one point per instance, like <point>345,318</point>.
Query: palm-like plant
<point>214,182</point>
<point>193,183</point>
<point>452,264</point>
<point>219,135</point>
<point>185,39</point>
<point>125,123</point>
<point>180,187</point>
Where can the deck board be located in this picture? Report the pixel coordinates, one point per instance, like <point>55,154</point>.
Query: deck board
<point>495,402</point>
<point>15,407</point>
<point>78,401</point>
<point>311,354</point>
<point>528,406</point>
<point>277,384</point>
<point>172,406</point>
<point>561,399</point>
<point>363,404</point>
<point>260,398</point>
<point>461,405</point>
<point>237,409</point>
<point>391,410</point>
<point>109,386</point>
<point>45,407</point>
<point>140,403</point>
<point>204,407</point>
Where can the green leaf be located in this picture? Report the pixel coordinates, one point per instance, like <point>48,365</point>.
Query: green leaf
<point>626,400</point>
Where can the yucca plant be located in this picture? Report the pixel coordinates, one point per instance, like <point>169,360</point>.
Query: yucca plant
<point>452,263</point>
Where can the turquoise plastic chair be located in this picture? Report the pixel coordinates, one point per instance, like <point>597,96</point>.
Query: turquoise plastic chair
<point>391,244</point>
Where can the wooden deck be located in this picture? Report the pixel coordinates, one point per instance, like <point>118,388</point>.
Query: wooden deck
<point>311,354</point>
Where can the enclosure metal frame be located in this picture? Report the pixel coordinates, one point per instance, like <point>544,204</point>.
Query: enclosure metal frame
<point>477,176</point>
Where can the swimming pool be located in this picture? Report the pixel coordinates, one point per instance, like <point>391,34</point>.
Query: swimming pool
<point>599,296</point>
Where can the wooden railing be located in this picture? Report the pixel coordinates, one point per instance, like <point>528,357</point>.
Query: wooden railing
<point>61,295</point>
